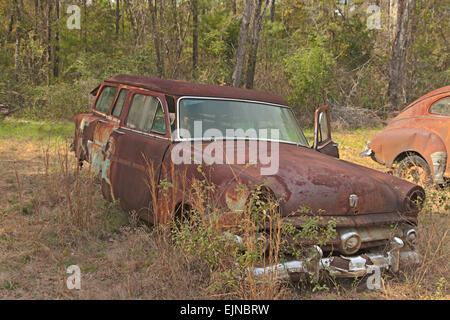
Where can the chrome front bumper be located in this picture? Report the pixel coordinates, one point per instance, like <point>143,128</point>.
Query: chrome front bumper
<point>367,151</point>
<point>345,267</point>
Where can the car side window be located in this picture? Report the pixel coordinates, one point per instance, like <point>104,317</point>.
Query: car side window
<point>105,99</point>
<point>142,112</point>
<point>441,107</point>
<point>120,102</point>
<point>159,124</point>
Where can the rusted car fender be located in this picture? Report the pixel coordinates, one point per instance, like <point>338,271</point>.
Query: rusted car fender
<point>390,145</point>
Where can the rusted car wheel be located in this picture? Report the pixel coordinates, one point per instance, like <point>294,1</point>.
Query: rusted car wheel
<point>414,169</point>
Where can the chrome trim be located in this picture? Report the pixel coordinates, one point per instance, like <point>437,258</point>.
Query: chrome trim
<point>353,200</point>
<point>118,131</point>
<point>408,233</point>
<point>367,151</point>
<point>112,119</point>
<point>145,133</point>
<point>347,236</point>
<point>439,161</point>
<point>358,266</point>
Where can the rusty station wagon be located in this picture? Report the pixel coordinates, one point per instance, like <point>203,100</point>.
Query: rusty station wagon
<point>136,120</point>
<point>417,141</point>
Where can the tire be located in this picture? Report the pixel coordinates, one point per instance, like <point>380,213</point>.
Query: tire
<point>414,169</point>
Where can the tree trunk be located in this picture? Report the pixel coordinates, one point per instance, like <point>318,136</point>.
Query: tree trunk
<point>393,19</point>
<point>194,38</point>
<point>84,26</point>
<point>18,38</point>
<point>56,46</point>
<point>155,35</point>
<point>233,6</point>
<point>117,18</point>
<point>272,10</point>
<point>242,41</point>
<point>161,36</point>
<point>10,28</point>
<point>49,39</point>
<point>400,15</point>
<point>253,54</point>
<point>36,17</point>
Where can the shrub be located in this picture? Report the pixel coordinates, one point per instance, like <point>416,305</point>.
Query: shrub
<point>309,72</point>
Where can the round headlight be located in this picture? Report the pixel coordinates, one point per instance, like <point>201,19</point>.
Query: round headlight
<point>414,199</point>
<point>411,236</point>
<point>351,242</point>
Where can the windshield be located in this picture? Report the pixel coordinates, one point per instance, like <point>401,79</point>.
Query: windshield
<point>203,118</point>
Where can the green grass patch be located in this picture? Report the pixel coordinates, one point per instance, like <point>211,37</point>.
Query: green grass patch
<point>19,128</point>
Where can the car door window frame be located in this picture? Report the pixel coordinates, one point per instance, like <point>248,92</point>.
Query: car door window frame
<point>110,112</point>
<point>100,91</point>
<point>162,101</point>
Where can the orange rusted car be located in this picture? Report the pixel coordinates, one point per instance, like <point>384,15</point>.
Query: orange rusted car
<point>416,143</point>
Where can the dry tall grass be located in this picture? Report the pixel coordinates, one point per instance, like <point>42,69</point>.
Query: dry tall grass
<point>52,215</point>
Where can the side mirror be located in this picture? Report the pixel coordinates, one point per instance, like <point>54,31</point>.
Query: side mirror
<point>322,127</point>
<point>322,133</point>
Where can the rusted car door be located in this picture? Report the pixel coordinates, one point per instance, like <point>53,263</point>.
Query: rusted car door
<point>89,134</point>
<point>104,128</point>
<point>322,133</point>
<point>142,139</point>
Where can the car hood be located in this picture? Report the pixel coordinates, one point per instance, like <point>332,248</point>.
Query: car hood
<point>309,181</point>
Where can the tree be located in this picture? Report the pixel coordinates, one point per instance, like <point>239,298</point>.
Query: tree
<point>156,39</point>
<point>400,14</point>
<point>242,41</point>
<point>252,56</point>
<point>117,18</point>
<point>56,46</point>
<point>194,38</point>
<point>18,8</point>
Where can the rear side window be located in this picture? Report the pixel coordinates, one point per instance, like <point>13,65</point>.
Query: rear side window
<point>105,99</point>
<point>441,107</point>
<point>142,113</point>
<point>159,124</point>
<point>120,102</point>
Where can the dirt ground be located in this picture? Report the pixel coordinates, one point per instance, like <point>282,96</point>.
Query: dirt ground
<point>47,224</point>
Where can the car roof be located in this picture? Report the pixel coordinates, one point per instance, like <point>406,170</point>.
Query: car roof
<point>185,88</point>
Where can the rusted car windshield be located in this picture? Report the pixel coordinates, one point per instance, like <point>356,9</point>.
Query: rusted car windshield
<point>238,119</point>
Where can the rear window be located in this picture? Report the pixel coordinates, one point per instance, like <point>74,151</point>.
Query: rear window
<point>441,107</point>
<point>105,99</point>
<point>146,114</point>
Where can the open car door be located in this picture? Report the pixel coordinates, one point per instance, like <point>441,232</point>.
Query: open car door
<point>322,133</point>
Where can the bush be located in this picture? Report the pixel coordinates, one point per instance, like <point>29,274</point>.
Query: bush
<point>309,73</point>
<point>58,101</point>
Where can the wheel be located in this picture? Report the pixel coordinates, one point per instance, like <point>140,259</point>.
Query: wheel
<point>414,169</point>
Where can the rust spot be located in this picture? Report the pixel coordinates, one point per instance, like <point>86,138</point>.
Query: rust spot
<point>341,263</point>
